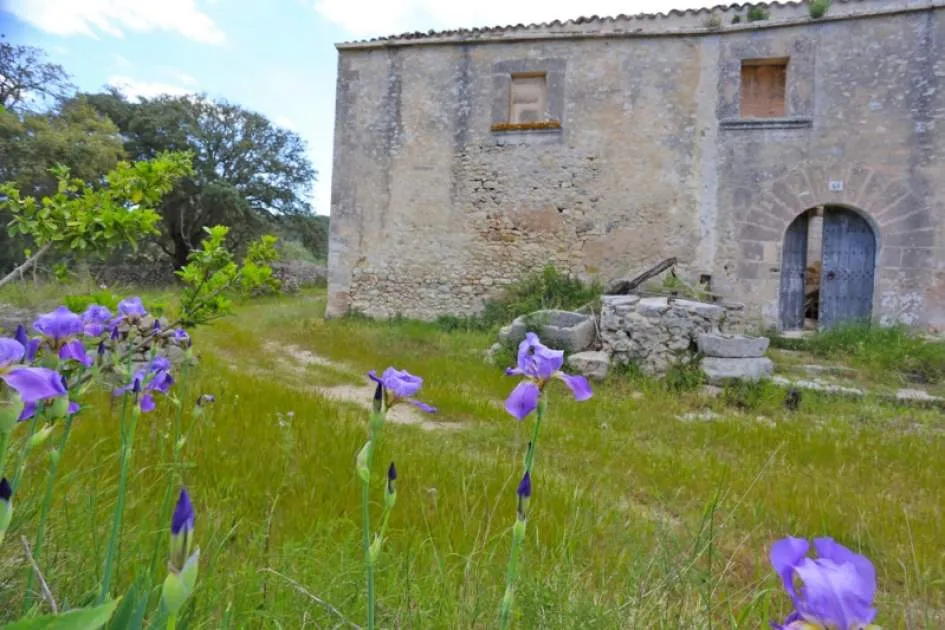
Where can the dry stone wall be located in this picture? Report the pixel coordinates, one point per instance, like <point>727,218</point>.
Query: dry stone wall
<point>655,333</point>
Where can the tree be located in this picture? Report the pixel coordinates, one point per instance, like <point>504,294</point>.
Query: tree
<point>24,75</point>
<point>83,219</point>
<point>74,135</point>
<point>246,171</point>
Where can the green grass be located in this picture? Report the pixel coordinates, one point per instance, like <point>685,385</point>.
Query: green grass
<point>638,519</point>
<point>888,355</point>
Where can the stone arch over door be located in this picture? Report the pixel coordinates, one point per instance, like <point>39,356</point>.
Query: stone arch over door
<point>901,221</point>
<point>845,254</point>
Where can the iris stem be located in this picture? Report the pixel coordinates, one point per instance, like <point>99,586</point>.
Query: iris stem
<point>517,544</point>
<point>376,421</point>
<point>127,438</point>
<point>4,440</point>
<point>25,453</point>
<point>172,622</point>
<point>174,477</point>
<point>47,503</point>
<point>365,519</point>
<point>509,585</point>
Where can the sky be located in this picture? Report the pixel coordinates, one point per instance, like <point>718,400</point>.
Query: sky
<point>276,57</point>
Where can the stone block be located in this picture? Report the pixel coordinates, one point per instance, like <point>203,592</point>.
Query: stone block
<point>592,364</point>
<point>561,330</point>
<point>732,346</point>
<point>719,370</point>
<point>653,307</point>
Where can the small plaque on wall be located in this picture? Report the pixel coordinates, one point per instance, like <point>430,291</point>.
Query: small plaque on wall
<point>836,185</point>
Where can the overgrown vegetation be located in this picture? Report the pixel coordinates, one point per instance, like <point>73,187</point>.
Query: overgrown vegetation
<point>818,8</point>
<point>883,352</point>
<point>545,289</point>
<point>757,13</point>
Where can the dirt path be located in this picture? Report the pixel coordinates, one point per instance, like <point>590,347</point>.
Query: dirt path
<point>294,359</point>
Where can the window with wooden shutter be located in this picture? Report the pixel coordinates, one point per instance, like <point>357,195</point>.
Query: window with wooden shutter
<point>528,96</point>
<point>764,88</point>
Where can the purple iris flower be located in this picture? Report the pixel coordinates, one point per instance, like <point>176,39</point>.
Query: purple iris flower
<point>132,308</point>
<point>59,325</point>
<point>30,408</point>
<point>75,351</point>
<point>181,338</point>
<point>30,383</point>
<point>539,364</point>
<point>154,379</point>
<point>838,586</point>
<point>31,345</point>
<point>182,520</point>
<point>95,319</point>
<point>401,386</point>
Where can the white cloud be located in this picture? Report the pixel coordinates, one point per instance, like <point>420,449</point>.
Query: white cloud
<point>367,18</point>
<point>133,88</point>
<point>114,17</point>
<point>285,121</point>
<point>122,62</point>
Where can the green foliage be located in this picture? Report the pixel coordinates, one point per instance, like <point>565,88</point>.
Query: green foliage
<point>77,303</point>
<point>74,135</point>
<point>753,395</point>
<point>84,219</point>
<point>246,171</point>
<point>818,8</point>
<point>672,283</point>
<point>882,351</point>
<point>546,289</point>
<point>212,276</point>
<point>757,13</point>
<point>684,377</point>
<point>79,619</point>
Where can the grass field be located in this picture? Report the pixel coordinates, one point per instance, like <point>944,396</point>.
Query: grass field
<point>638,520</point>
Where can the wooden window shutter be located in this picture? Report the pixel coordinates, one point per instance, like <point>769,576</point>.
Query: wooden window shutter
<point>764,88</point>
<point>527,98</point>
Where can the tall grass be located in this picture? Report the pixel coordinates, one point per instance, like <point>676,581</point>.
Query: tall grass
<point>639,519</point>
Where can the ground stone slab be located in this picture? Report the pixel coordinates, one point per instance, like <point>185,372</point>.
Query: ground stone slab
<point>732,346</point>
<point>828,388</point>
<point>592,364</point>
<point>917,395</point>
<point>561,330</point>
<point>719,370</point>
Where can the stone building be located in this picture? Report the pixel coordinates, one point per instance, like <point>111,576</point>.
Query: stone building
<point>746,147</point>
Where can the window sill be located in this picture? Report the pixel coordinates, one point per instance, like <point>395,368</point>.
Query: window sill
<point>528,133</point>
<point>786,122</point>
<point>544,125</point>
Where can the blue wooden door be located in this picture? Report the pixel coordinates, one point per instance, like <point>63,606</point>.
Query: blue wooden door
<point>793,268</point>
<point>846,279</point>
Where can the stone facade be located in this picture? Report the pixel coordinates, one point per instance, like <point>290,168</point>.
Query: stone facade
<point>434,208</point>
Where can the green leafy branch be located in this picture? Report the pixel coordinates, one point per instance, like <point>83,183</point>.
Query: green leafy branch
<point>212,275</point>
<point>86,219</point>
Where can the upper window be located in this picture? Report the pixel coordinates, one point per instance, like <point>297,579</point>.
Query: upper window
<point>763,88</point>
<point>528,98</point>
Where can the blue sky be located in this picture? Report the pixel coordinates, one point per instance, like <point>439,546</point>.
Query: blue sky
<point>273,56</point>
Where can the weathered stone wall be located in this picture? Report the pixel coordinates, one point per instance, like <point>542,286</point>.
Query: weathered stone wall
<point>432,212</point>
<point>655,333</point>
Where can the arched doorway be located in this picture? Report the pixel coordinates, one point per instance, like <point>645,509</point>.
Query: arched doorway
<point>827,269</point>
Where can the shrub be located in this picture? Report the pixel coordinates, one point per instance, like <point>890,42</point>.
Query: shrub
<point>757,13</point>
<point>546,289</point>
<point>818,8</point>
<point>684,377</point>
